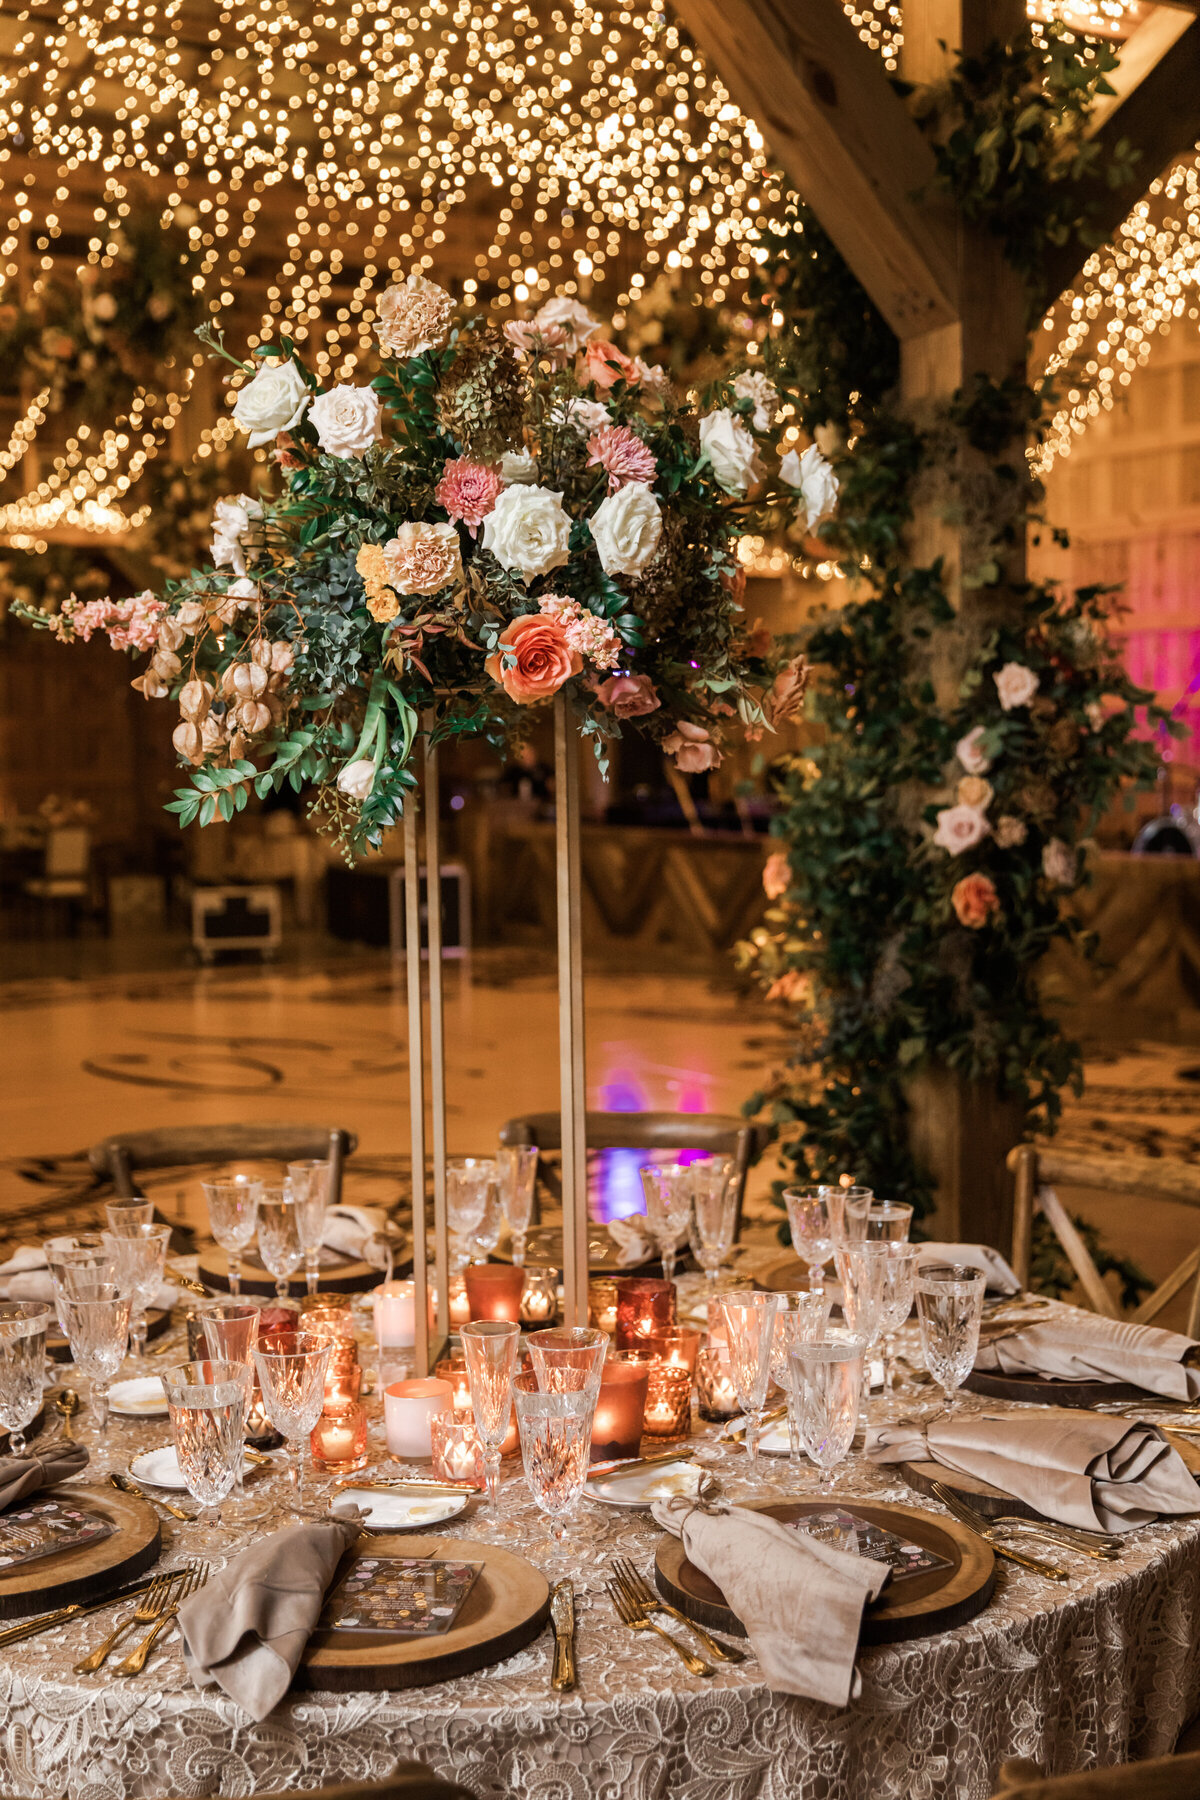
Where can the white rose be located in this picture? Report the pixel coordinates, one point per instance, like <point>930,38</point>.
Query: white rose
<point>518,469</point>
<point>970,753</point>
<point>815,480</point>
<point>528,530</point>
<point>626,528</point>
<point>357,778</point>
<point>1016,685</point>
<point>572,316</point>
<point>231,521</point>
<point>731,451</point>
<point>347,420</point>
<point>585,415</point>
<point>1059,863</point>
<point>752,384</point>
<point>272,402</point>
<point>960,828</point>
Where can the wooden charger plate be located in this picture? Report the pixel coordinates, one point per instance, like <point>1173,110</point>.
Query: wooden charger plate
<point>1044,1390</point>
<point>58,1349</point>
<point>505,1610</point>
<point>992,1501</point>
<point>339,1274</point>
<point>91,1570</point>
<point>916,1607</point>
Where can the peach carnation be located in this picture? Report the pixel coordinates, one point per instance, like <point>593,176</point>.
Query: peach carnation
<point>412,317</point>
<point>468,491</point>
<point>606,365</point>
<point>544,659</point>
<point>975,901</point>
<point>622,455</point>
<point>371,564</point>
<point>423,559</point>
<point>629,696</point>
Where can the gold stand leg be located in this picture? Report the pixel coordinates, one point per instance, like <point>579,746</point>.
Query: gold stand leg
<point>437,1032</point>
<point>572,1073</point>
<point>416,1079</point>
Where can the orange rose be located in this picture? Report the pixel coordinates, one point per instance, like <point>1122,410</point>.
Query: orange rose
<point>605,364</point>
<point>975,901</point>
<point>544,659</point>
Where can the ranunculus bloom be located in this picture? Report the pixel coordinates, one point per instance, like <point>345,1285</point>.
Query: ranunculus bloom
<point>571,316</point>
<point>1060,864</point>
<point>960,828</point>
<point>468,491</point>
<point>692,748</point>
<point>1008,832</point>
<point>1016,685</point>
<point>753,385</point>
<point>423,559</point>
<point>347,420</point>
<point>975,901</point>
<point>815,480</point>
<point>528,530</point>
<point>356,779</point>
<point>776,875</point>
<point>412,317</point>
<point>731,451</point>
<point>970,752</point>
<point>626,528</point>
<point>622,455</point>
<point>544,659</point>
<point>605,365</point>
<point>272,401</point>
<point>629,696</point>
<point>973,790</point>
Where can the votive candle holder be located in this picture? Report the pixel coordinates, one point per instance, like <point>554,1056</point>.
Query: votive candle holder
<point>680,1346</point>
<point>339,1439</point>
<point>602,1305</point>
<point>668,1400</point>
<point>395,1312</point>
<point>645,1305</point>
<point>620,1407</point>
<point>408,1407</point>
<point>716,1396</point>
<point>539,1302</point>
<point>494,1290</point>
<point>457,1451</point>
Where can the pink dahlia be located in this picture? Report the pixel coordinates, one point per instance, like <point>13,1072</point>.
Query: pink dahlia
<point>468,491</point>
<point>622,455</point>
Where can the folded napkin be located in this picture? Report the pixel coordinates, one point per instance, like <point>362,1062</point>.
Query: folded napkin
<point>25,1277</point>
<point>21,1476</point>
<point>800,1600</point>
<point>1080,1346</point>
<point>1001,1278</point>
<point>633,1240</point>
<point>246,1630</point>
<point>357,1231</point>
<point>1080,1468</point>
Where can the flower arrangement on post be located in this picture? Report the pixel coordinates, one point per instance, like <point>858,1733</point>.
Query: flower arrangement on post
<point>500,516</point>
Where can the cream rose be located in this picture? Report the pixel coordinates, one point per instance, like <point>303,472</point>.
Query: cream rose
<point>528,530</point>
<point>571,316</point>
<point>585,415</point>
<point>692,748</point>
<point>626,528</point>
<point>815,481</point>
<point>1016,685</point>
<point>1060,863</point>
<point>346,420</point>
<point>731,451</point>
<point>960,828</point>
<point>357,779</point>
<point>274,400</point>
<point>753,385</point>
<point>518,469</point>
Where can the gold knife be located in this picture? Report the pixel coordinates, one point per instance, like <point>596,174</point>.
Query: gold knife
<point>562,1617</point>
<point>406,1484</point>
<point>600,1471</point>
<point>769,1418</point>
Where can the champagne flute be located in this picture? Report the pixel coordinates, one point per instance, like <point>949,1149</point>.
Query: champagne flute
<point>862,1268</point>
<point>487,1233</point>
<point>949,1308</point>
<point>23,1327</point>
<point>490,1348</point>
<point>517,1166</point>
<point>97,1325</point>
<point>713,1216</point>
<point>232,1218</point>
<point>668,1192</point>
<point>310,1190</point>
<point>848,1212</point>
<point>749,1320</point>
<point>827,1375</point>
<point>279,1234</point>
<point>206,1404</point>
<point>899,1282</point>
<point>291,1373</point>
<point>556,1442</point>
<point>803,1315</point>
<point>230,1333</point>
<point>140,1254</point>
<point>809,1217</point>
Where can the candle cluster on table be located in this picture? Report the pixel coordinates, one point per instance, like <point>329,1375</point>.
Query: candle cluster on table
<point>645,1306</point>
<point>457,1452</point>
<point>539,1302</point>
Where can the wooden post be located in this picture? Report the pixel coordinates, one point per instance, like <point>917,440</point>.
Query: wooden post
<point>437,1028</point>
<point>572,1074</point>
<point>416,1081</point>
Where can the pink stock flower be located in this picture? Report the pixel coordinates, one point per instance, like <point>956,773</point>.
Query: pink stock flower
<point>622,455</point>
<point>606,365</point>
<point>692,748</point>
<point>130,624</point>
<point>468,491</point>
<point>629,696</point>
<point>588,634</point>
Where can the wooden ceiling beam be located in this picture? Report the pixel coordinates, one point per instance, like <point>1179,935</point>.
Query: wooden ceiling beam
<point>1141,53</point>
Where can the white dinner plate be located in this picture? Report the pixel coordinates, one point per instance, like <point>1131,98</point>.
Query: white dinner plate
<point>401,1511</point>
<point>144,1397</point>
<point>160,1468</point>
<point>775,1440</point>
<point>642,1487</point>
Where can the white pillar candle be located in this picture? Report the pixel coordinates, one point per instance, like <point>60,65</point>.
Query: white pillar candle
<point>395,1315</point>
<point>408,1407</point>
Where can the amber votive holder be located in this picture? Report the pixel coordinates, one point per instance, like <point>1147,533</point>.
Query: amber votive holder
<point>454,1370</point>
<point>716,1396</point>
<point>457,1451</point>
<point>494,1290</point>
<point>668,1400</point>
<point>645,1305</point>
<point>339,1439</point>
<point>620,1407</point>
<point>679,1346</point>
<point>602,1305</point>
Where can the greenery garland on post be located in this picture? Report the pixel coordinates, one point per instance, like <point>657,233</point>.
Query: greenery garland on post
<point>927,850</point>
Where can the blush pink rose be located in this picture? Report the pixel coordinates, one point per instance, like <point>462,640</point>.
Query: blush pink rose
<point>960,828</point>
<point>604,364</point>
<point>975,901</point>
<point>692,748</point>
<point>629,696</point>
<point>544,659</point>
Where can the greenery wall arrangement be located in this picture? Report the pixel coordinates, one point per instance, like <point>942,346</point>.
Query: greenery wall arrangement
<point>927,846</point>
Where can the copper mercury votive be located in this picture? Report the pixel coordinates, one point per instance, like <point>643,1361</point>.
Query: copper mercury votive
<point>645,1305</point>
<point>668,1400</point>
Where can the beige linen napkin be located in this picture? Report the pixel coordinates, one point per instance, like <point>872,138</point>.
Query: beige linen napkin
<point>357,1231</point>
<point>1081,1468</point>
<point>1080,1346</point>
<point>800,1601</point>
<point>25,1277</point>
<point>21,1476</point>
<point>1001,1278</point>
<point>247,1629</point>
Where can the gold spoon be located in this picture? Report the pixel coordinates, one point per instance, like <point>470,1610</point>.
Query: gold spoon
<point>67,1403</point>
<point>127,1486</point>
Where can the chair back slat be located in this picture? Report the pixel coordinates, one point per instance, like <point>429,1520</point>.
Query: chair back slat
<point>120,1158</point>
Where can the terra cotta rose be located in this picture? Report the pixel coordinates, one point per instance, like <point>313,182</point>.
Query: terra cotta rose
<point>975,901</point>
<point>544,659</point>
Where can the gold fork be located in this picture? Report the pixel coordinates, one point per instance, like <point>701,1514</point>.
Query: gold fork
<point>1034,1564</point>
<point>135,1662</point>
<point>1100,1544</point>
<point>636,1621</point>
<point>647,1601</point>
<point>144,1613</point>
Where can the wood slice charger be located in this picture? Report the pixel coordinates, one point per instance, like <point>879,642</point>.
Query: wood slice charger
<point>505,1610</point>
<point>917,1606</point>
<point>92,1570</point>
<point>339,1274</point>
<point>58,1349</point>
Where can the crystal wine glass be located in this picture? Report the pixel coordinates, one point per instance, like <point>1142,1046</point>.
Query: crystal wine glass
<point>749,1320</point>
<point>140,1255</point>
<point>206,1404</point>
<point>899,1280</point>
<point>128,1212</point>
<point>517,1166</point>
<point>949,1308</point>
<point>862,1268</point>
<point>713,1216</point>
<point>23,1327</point>
<point>490,1347</point>
<point>827,1375</point>
<point>888,1221</point>
<point>97,1326</point>
<point>291,1373</point>
<point>310,1190</point>
<point>803,1315</point>
<point>569,1360</point>
<point>232,1218</point>
<point>487,1233</point>
<point>467,1180</point>
<point>556,1441</point>
<point>83,1259</point>
<point>848,1212</point>
<point>230,1334</point>
<point>811,1225</point>
<point>279,1234</point>
<point>668,1191</point>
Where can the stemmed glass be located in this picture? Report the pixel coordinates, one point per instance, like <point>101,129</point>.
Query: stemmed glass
<point>291,1373</point>
<point>23,1326</point>
<point>668,1192</point>
<point>863,1269</point>
<point>96,1319</point>
<point>827,1376</point>
<point>310,1190</point>
<point>713,1216</point>
<point>206,1404</point>
<point>140,1255</point>
<point>232,1218</point>
<point>84,1259</point>
<point>802,1316</point>
<point>487,1234</point>
<point>749,1320</point>
<point>279,1234</point>
<point>128,1212</point>
<point>490,1347</point>
<point>569,1360</point>
<point>808,1214</point>
<point>848,1212</point>
<point>517,1166</point>
<point>888,1222</point>
<point>230,1334</point>
<point>949,1308</point>
<point>899,1280</point>
<point>467,1181</point>
<point>556,1441</point>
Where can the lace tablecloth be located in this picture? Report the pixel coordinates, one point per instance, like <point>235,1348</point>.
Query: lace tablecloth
<point>1094,1673</point>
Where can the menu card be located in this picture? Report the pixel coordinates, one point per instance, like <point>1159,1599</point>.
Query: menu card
<point>846,1531</point>
<point>44,1527</point>
<point>408,1596</point>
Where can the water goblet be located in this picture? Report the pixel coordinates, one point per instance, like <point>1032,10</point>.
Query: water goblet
<point>668,1191</point>
<point>749,1320</point>
<point>291,1374</point>
<point>490,1347</point>
<point>467,1181</point>
<point>713,1217</point>
<point>888,1221</point>
<point>310,1190</point>
<point>206,1404</point>
<point>949,1307</point>
<point>232,1219</point>
<point>556,1440</point>
<point>569,1360</point>
<point>862,1269</point>
<point>803,1315</point>
<point>74,1260</point>
<point>827,1375</point>
<point>230,1329</point>
<point>809,1217</point>
<point>97,1326</point>
<point>517,1166</point>
<point>279,1234</point>
<point>899,1280</point>
<point>23,1326</point>
<point>848,1212</point>
<point>128,1212</point>
<point>140,1255</point>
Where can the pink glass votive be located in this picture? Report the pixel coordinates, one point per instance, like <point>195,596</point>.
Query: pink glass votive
<point>620,1408</point>
<point>645,1305</point>
<point>494,1290</point>
<point>679,1347</point>
<point>457,1452</point>
<point>668,1400</point>
<point>454,1370</point>
<point>408,1406</point>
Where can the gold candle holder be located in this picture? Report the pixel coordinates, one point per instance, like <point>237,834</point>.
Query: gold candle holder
<point>602,1305</point>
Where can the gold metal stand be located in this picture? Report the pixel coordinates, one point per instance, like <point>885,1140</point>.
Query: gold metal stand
<point>571,1058</point>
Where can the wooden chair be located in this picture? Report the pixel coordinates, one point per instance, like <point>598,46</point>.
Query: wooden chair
<point>1037,1167</point>
<point>119,1159</point>
<point>1166,1778</point>
<point>722,1134</point>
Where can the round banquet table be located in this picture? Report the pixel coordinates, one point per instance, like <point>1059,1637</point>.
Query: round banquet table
<point>1101,1671</point>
